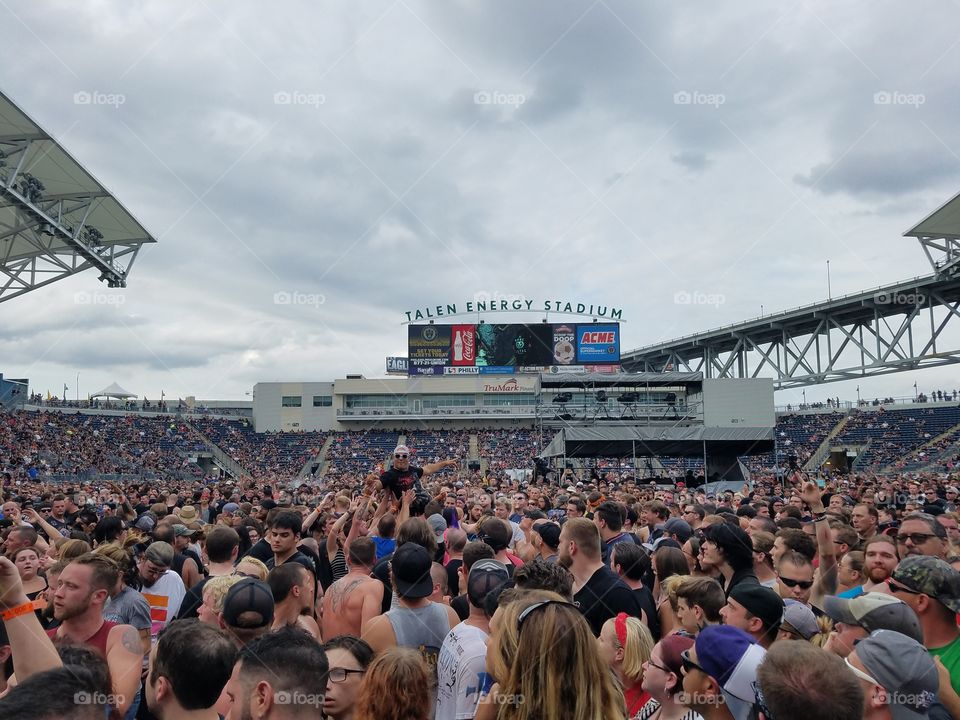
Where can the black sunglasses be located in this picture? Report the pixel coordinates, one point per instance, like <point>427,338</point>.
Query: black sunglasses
<point>401,456</point>
<point>895,587</point>
<point>687,664</point>
<point>915,538</point>
<point>803,584</point>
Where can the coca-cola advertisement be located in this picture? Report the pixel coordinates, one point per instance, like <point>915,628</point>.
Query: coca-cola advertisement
<point>463,345</point>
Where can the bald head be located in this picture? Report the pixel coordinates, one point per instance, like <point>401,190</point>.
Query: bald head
<point>456,540</point>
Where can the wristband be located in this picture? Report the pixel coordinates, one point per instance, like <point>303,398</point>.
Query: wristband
<point>17,611</point>
<point>818,517</point>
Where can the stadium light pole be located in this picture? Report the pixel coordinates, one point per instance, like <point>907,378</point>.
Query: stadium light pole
<point>829,292</point>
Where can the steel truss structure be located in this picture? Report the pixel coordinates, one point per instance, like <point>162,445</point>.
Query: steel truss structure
<point>892,329</point>
<point>56,219</point>
<point>903,326</point>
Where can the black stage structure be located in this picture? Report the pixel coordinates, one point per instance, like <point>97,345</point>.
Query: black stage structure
<point>641,415</point>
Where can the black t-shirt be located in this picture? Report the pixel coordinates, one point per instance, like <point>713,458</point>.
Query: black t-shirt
<point>261,550</point>
<point>399,481</point>
<point>381,571</point>
<point>644,599</point>
<point>461,606</point>
<point>453,577</point>
<point>603,597</point>
<point>192,601</point>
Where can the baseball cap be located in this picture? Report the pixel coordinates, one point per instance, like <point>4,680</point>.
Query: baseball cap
<point>679,527</point>
<point>930,576</point>
<point>800,618</point>
<point>761,601</point>
<point>249,605</point>
<point>549,533</point>
<point>730,656</point>
<point>874,611</point>
<point>410,567</point>
<point>146,522</point>
<point>438,525</point>
<point>231,507</point>
<point>159,553</point>
<point>485,575</point>
<point>905,670</point>
<point>181,530</point>
<point>662,541</point>
<point>401,449</point>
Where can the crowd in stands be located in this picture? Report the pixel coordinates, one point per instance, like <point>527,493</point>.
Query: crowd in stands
<point>428,593</point>
<point>892,435</point>
<point>430,445</point>
<point>514,448</point>
<point>357,451</point>
<point>61,444</point>
<point>268,455</point>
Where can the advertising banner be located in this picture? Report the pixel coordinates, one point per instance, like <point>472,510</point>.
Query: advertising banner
<point>598,343</point>
<point>461,371</point>
<point>463,350</point>
<point>429,345</point>
<point>564,345</point>
<point>503,349</point>
<point>397,366</point>
<point>426,370</point>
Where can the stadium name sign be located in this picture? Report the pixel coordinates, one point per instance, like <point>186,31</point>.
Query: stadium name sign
<point>515,305</point>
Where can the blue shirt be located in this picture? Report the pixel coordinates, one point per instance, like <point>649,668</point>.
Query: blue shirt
<point>852,593</point>
<point>385,546</point>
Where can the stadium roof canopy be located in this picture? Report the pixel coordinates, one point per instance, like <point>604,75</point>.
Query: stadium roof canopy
<point>634,441</point>
<point>56,219</point>
<point>939,236</point>
<point>620,379</point>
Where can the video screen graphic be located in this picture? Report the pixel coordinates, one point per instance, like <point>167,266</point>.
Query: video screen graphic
<point>515,345</point>
<point>462,349</point>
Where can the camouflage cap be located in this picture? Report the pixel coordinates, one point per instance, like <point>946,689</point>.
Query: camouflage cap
<point>930,576</point>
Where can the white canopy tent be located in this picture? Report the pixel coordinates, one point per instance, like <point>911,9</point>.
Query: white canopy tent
<point>113,391</point>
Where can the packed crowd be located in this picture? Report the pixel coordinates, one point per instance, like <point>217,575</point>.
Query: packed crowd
<point>33,444</point>
<point>424,591</point>
<point>355,451</point>
<point>513,448</point>
<point>894,434</point>
<point>266,456</point>
<point>430,445</point>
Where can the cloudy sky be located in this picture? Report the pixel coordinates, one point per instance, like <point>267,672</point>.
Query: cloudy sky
<point>367,158</point>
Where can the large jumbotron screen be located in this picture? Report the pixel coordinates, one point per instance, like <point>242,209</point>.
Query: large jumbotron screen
<point>489,348</point>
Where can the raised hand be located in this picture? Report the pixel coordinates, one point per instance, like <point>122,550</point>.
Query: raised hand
<point>812,496</point>
<point>11,587</point>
